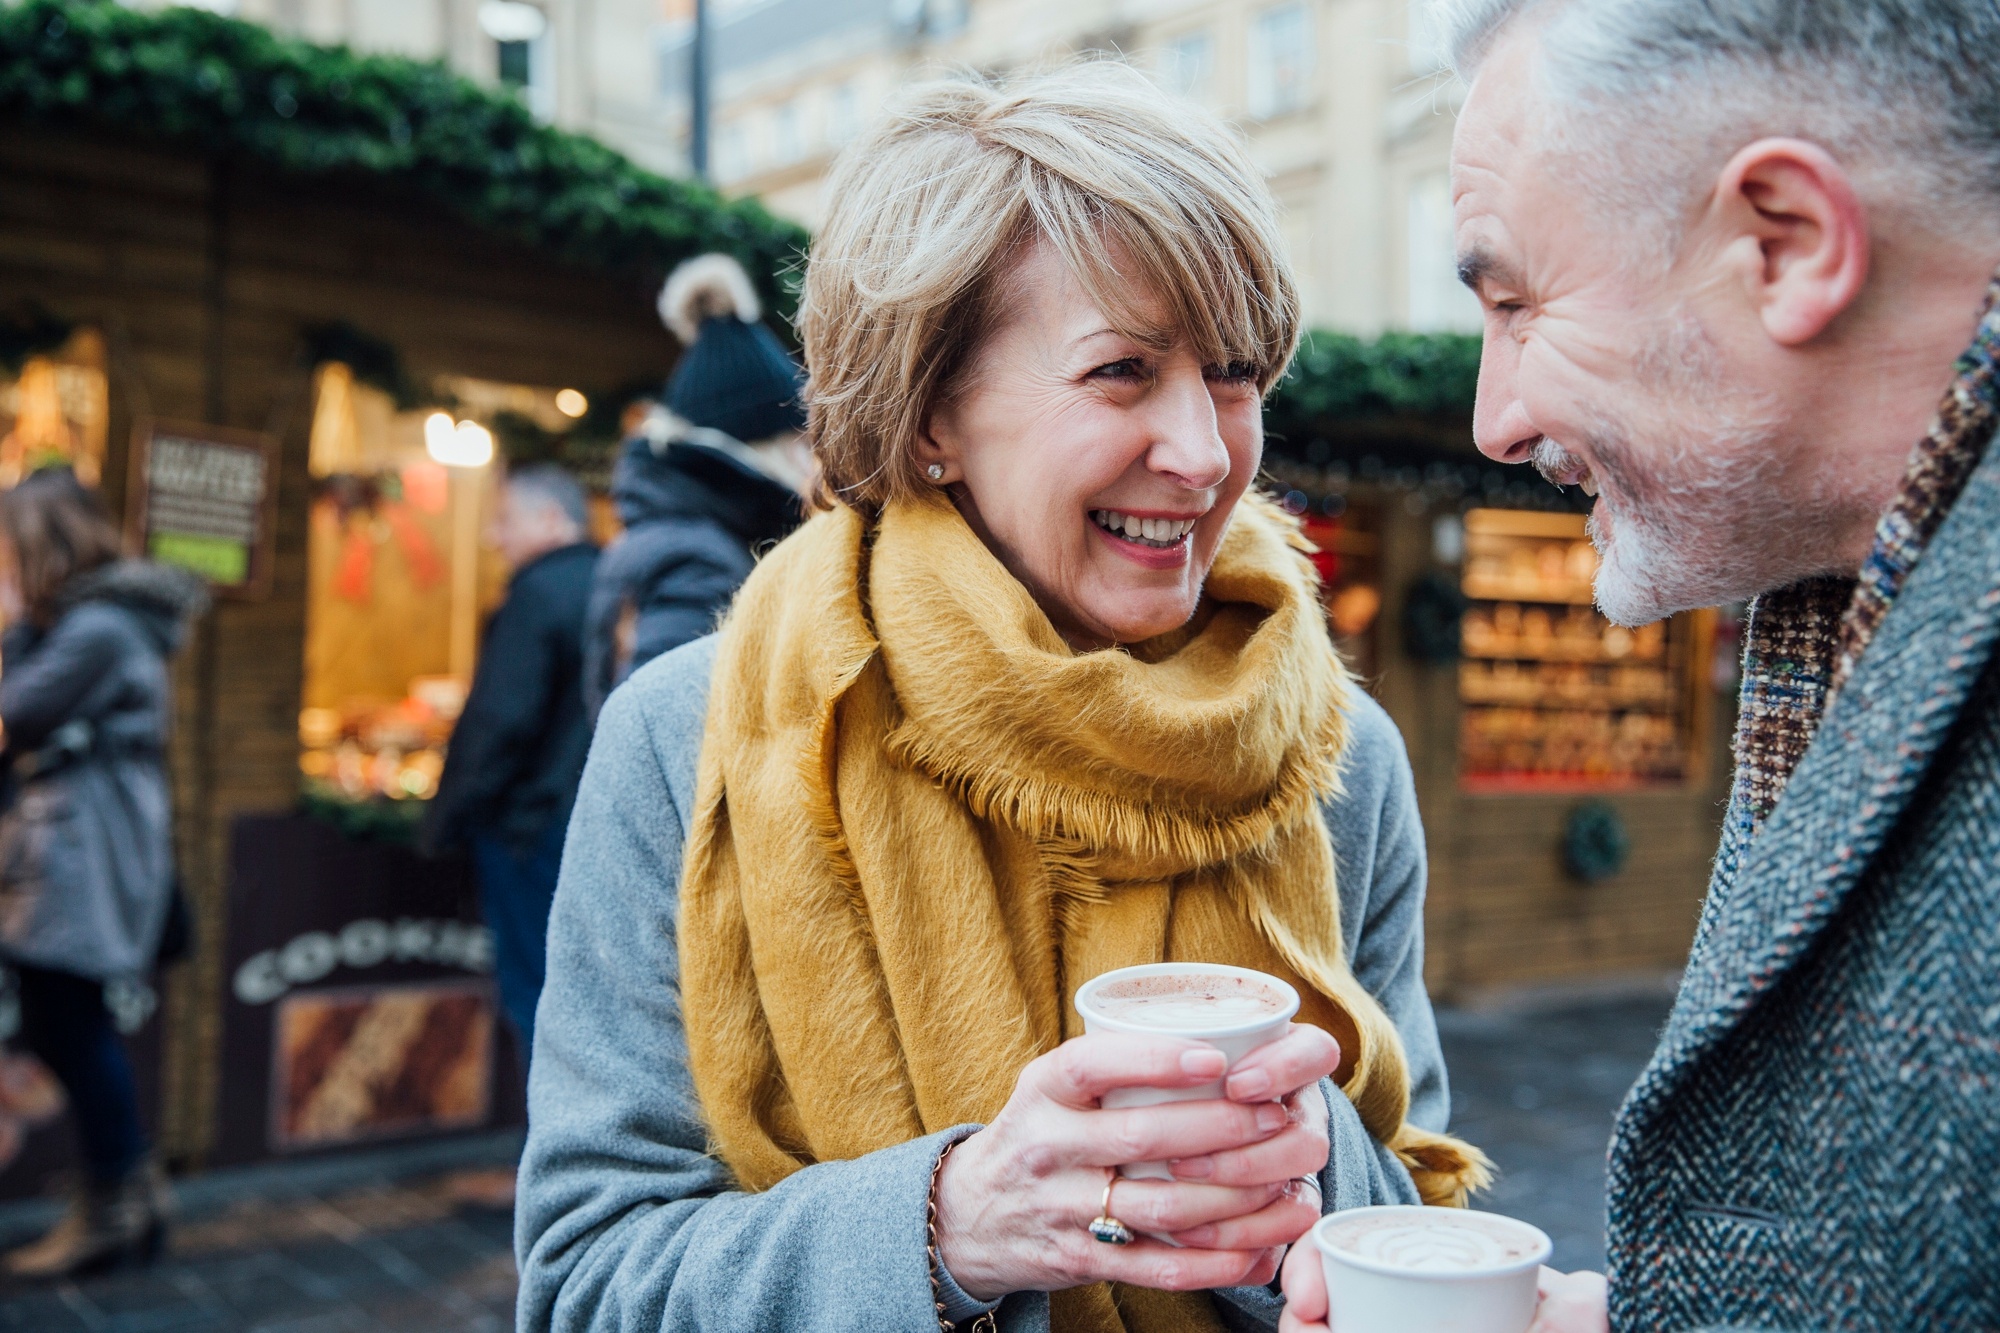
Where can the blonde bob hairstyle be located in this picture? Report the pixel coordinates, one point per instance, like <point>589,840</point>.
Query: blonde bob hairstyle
<point>1151,202</point>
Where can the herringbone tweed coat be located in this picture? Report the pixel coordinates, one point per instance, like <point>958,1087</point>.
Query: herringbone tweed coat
<point>1816,1143</point>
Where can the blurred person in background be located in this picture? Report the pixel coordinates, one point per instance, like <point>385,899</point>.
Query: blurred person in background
<point>86,846</point>
<point>712,476</point>
<point>518,748</point>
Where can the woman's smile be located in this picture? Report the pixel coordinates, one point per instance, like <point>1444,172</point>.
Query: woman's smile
<point>1146,537</point>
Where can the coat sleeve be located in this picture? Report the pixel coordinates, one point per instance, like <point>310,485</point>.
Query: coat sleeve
<point>1378,839</point>
<point>626,1221</point>
<point>498,735</point>
<point>40,690</point>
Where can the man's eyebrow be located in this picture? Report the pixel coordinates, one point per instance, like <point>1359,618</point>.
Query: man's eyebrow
<point>1479,265</point>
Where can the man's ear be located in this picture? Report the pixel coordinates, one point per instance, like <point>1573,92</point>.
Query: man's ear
<point>1796,233</point>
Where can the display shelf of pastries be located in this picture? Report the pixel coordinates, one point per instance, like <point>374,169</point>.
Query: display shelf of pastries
<point>1566,685</point>
<point>1536,561</point>
<point>1552,694</point>
<point>1546,634</point>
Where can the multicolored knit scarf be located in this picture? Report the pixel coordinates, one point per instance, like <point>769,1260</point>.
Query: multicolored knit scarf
<point>1802,642</point>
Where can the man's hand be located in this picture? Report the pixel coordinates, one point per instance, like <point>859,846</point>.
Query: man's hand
<point>1572,1303</point>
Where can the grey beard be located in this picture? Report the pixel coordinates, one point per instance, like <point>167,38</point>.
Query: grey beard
<point>1703,534</point>
<point>1693,514</point>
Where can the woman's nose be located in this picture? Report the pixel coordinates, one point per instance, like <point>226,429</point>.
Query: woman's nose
<point>1187,443</point>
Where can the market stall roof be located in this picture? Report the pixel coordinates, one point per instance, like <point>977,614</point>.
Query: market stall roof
<point>194,79</point>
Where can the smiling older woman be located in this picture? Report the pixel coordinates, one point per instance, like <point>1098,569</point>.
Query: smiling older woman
<point>1041,692</point>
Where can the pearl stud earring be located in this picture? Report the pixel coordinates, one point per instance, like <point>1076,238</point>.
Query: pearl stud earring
<point>935,472</point>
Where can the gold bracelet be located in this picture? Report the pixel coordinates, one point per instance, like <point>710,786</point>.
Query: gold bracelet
<point>986,1323</point>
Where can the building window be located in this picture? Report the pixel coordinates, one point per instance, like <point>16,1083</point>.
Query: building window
<point>1281,60</point>
<point>732,152</point>
<point>843,114</point>
<point>1187,64</point>
<point>520,34</point>
<point>1437,301</point>
<point>787,142</point>
<point>1426,49</point>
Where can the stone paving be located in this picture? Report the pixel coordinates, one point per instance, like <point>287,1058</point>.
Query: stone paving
<point>378,1243</point>
<point>372,1244</point>
<point>1537,1087</point>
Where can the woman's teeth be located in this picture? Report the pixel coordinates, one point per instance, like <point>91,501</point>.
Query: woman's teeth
<point>1160,532</point>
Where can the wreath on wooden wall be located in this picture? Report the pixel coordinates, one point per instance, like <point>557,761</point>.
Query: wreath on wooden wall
<point>1595,842</point>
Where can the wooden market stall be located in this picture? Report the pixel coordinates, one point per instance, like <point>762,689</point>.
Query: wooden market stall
<point>283,301</point>
<point>1571,773</point>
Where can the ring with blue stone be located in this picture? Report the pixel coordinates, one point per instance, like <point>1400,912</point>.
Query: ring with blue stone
<point>1104,1227</point>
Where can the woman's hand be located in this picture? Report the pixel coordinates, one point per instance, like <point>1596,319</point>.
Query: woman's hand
<point>1569,1302</point>
<point>1015,1200</point>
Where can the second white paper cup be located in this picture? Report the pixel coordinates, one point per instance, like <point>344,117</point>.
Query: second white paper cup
<point>1366,1296</point>
<point>1234,1042</point>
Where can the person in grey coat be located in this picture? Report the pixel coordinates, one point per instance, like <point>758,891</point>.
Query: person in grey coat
<point>1741,267</point>
<point>625,1220</point>
<point>86,850</point>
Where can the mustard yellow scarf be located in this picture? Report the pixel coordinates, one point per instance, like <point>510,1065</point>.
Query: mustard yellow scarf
<point>923,820</point>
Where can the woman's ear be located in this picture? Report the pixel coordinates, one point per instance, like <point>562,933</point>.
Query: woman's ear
<point>937,448</point>
<point>1796,233</point>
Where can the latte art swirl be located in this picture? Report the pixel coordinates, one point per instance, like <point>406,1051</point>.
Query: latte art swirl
<point>1429,1245</point>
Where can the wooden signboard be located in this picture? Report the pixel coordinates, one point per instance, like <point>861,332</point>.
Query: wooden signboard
<point>205,498</point>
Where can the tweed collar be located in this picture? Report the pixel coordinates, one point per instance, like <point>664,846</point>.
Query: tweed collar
<point>1803,641</point>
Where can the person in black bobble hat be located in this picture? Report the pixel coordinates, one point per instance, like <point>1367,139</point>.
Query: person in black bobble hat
<point>711,477</point>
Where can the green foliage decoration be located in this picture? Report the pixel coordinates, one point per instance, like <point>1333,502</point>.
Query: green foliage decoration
<point>1338,377</point>
<point>226,87</point>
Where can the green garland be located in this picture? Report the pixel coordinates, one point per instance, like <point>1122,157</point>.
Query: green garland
<point>222,86</point>
<point>1338,377</point>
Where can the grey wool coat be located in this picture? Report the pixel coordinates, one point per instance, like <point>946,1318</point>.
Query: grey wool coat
<point>1816,1143</point>
<point>625,1222</point>
<point>86,843</point>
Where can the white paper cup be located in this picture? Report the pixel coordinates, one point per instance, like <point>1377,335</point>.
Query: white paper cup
<point>1367,1295</point>
<point>1234,1042</point>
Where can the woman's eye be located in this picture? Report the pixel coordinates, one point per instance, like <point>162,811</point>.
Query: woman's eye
<point>1236,372</point>
<point>1128,369</point>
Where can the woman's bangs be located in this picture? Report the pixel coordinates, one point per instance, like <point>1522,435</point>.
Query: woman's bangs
<point>1175,286</point>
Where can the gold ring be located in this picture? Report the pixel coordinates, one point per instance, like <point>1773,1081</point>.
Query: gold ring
<point>1104,1226</point>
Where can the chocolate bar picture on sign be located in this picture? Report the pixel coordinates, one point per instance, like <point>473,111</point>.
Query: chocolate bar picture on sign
<point>205,500</point>
<point>380,1061</point>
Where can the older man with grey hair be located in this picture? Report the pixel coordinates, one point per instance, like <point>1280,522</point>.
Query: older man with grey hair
<point>1738,261</point>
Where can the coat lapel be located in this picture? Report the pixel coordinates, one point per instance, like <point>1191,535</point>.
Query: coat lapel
<point>1850,789</point>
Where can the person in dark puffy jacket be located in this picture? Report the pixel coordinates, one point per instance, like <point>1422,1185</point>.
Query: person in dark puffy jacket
<point>86,848</point>
<point>711,477</point>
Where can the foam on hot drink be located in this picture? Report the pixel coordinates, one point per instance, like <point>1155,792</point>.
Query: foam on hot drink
<point>1431,1244</point>
<point>1188,1001</point>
